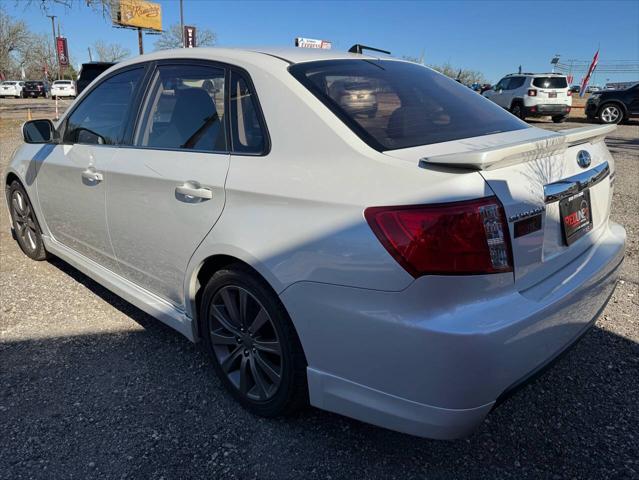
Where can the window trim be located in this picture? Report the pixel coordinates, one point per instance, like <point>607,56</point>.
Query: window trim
<point>227,85</point>
<point>62,128</point>
<point>266,149</point>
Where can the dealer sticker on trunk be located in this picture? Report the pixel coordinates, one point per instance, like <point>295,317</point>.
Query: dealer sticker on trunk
<point>576,216</point>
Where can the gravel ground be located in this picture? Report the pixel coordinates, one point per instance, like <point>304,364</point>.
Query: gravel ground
<point>91,387</point>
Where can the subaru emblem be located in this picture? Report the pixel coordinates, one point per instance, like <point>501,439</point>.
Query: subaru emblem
<point>583,159</point>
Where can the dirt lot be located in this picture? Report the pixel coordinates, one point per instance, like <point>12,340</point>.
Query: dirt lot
<point>91,387</point>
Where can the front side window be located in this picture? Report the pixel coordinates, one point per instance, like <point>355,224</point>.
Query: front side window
<point>247,134</point>
<point>550,82</point>
<point>185,109</point>
<point>392,104</point>
<point>101,117</point>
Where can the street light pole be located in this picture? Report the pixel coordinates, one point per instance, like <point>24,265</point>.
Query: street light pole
<point>55,47</point>
<point>182,24</point>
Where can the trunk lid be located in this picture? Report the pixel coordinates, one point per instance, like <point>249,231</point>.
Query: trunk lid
<point>532,171</point>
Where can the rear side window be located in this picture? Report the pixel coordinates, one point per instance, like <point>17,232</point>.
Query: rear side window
<point>185,109</point>
<point>550,82</point>
<point>101,117</point>
<point>247,133</point>
<point>516,82</point>
<point>392,104</point>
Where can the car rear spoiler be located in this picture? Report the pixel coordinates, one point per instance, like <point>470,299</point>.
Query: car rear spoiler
<point>518,152</point>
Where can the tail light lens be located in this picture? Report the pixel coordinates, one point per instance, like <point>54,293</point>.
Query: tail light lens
<point>569,93</point>
<point>459,238</point>
<point>532,92</point>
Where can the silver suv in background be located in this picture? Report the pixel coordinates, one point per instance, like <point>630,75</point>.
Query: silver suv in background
<point>533,95</point>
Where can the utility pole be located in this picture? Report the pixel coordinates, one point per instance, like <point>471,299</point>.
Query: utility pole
<point>182,24</point>
<point>55,47</point>
<point>140,43</point>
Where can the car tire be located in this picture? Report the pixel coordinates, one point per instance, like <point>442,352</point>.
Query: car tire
<point>517,109</point>
<point>254,347</point>
<point>610,113</point>
<point>559,118</point>
<point>26,228</point>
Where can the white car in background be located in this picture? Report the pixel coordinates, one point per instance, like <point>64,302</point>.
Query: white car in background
<point>409,268</point>
<point>11,88</point>
<point>63,89</point>
<point>533,95</point>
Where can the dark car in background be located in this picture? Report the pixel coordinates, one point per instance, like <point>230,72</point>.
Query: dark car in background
<point>614,106</point>
<point>89,72</point>
<point>35,89</point>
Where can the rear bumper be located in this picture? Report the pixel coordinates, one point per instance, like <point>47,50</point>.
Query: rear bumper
<point>434,359</point>
<point>547,109</point>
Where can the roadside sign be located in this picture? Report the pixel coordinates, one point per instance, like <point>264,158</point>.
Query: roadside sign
<point>137,13</point>
<point>189,36</point>
<point>312,43</point>
<point>63,51</point>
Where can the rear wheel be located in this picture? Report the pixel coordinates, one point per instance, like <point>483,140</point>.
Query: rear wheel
<point>559,118</point>
<point>26,228</point>
<point>610,113</point>
<point>255,350</point>
<point>517,110</point>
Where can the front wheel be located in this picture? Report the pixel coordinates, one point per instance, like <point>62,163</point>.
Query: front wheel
<point>610,113</point>
<point>25,225</point>
<point>255,350</point>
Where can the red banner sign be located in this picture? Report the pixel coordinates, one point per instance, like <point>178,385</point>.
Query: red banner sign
<point>63,52</point>
<point>189,36</point>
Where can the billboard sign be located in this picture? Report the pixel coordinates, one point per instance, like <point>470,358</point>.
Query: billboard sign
<point>189,36</point>
<point>137,13</point>
<point>63,51</point>
<point>312,43</point>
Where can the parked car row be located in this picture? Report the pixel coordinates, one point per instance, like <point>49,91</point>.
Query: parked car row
<point>38,88</point>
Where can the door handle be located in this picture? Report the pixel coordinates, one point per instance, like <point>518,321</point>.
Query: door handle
<point>192,191</point>
<point>92,176</point>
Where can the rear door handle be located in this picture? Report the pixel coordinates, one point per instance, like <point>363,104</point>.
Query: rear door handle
<point>92,176</point>
<point>192,192</point>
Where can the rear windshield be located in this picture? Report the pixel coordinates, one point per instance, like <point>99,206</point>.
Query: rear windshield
<point>392,104</point>
<point>550,82</point>
<point>62,82</point>
<point>9,83</point>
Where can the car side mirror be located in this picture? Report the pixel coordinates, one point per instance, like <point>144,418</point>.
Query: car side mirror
<point>39,131</point>
<point>89,137</point>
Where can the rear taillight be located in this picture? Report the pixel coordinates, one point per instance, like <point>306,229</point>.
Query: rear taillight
<point>458,238</point>
<point>569,93</point>
<point>532,92</point>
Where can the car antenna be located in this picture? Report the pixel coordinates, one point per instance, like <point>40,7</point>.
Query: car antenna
<point>357,48</point>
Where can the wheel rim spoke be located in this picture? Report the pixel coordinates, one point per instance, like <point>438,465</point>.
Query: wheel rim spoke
<point>219,339</point>
<point>266,368</point>
<point>224,321</point>
<point>260,319</point>
<point>230,360</point>
<point>244,367</point>
<point>268,346</point>
<point>231,307</point>
<point>262,388</point>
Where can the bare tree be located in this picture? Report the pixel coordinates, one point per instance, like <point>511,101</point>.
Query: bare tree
<point>111,52</point>
<point>464,75</point>
<point>103,6</point>
<point>39,58</point>
<point>14,36</point>
<point>172,38</point>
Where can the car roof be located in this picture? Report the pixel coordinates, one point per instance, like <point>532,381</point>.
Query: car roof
<point>252,55</point>
<point>527,74</point>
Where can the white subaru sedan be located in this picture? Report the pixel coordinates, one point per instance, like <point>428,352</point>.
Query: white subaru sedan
<point>409,265</point>
<point>11,88</point>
